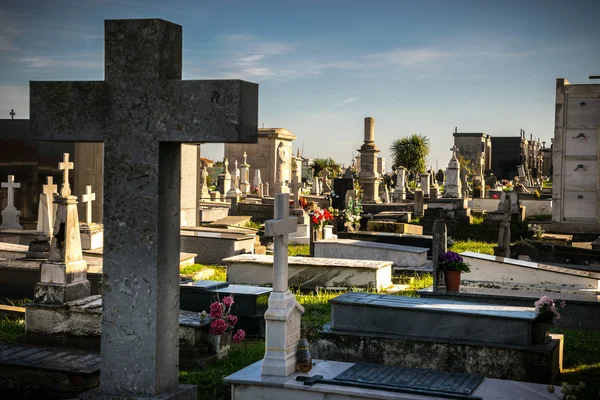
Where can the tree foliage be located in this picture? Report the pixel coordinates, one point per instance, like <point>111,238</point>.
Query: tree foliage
<point>410,152</point>
<point>319,164</point>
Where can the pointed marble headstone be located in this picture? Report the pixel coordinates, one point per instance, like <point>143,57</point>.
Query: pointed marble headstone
<point>47,208</point>
<point>10,215</point>
<point>453,182</point>
<point>63,277</point>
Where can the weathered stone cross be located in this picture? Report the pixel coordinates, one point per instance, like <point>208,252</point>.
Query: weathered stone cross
<point>65,166</point>
<point>11,186</point>
<point>142,112</point>
<point>88,197</point>
<point>12,114</point>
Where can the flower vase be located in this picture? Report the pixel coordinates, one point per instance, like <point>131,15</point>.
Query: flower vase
<point>452,279</point>
<point>540,332</point>
<point>303,358</point>
<point>220,344</point>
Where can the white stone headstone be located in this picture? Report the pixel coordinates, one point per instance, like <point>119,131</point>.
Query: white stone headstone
<point>10,215</point>
<point>88,197</point>
<point>453,184</point>
<point>257,180</point>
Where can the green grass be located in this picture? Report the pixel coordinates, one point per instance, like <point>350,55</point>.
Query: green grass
<point>253,224</point>
<point>581,360</point>
<point>10,329</point>
<point>477,220</point>
<point>472,245</point>
<point>210,380</point>
<point>220,272</point>
<point>299,250</point>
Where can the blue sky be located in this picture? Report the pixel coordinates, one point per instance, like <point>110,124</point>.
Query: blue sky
<point>415,66</point>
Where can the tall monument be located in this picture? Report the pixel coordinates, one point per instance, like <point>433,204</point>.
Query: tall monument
<point>369,178</point>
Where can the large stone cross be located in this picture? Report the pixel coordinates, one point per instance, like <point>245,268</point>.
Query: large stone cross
<point>142,112</point>
<point>65,166</point>
<point>49,188</point>
<point>88,197</point>
<point>279,228</point>
<point>11,186</point>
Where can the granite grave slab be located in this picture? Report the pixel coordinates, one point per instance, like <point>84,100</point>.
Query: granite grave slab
<point>250,302</point>
<point>432,318</point>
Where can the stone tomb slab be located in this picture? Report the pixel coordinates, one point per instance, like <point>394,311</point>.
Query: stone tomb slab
<point>213,247</point>
<point>502,270</point>
<point>425,241</point>
<point>250,302</point>
<point>250,384</point>
<point>432,318</point>
<point>56,370</point>
<point>349,249</point>
<point>311,272</point>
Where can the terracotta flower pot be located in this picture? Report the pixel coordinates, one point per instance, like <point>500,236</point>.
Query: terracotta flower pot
<point>452,279</point>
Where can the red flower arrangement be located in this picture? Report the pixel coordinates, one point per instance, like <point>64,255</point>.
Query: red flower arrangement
<point>320,218</point>
<point>223,321</point>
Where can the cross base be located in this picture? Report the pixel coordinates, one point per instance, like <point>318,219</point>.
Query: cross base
<point>60,293</point>
<point>181,392</point>
<point>283,334</point>
<point>92,236</point>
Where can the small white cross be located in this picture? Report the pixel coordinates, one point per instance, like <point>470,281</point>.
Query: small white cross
<point>12,114</point>
<point>65,166</point>
<point>245,158</point>
<point>454,150</point>
<point>279,228</point>
<point>11,185</point>
<point>88,197</point>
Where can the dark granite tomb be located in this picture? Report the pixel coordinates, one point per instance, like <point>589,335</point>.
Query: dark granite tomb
<point>250,302</point>
<point>340,187</point>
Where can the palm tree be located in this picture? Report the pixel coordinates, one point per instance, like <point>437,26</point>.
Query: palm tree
<point>410,152</point>
<point>329,164</point>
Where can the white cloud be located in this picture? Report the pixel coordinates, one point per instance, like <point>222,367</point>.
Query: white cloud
<point>74,61</point>
<point>345,101</point>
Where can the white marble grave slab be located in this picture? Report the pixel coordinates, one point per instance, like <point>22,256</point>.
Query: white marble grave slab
<point>311,272</point>
<point>510,271</point>
<point>249,384</point>
<point>349,249</point>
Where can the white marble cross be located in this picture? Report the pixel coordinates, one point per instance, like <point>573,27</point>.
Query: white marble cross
<point>88,197</point>
<point>65,166</point>
<point>279,228</point>
<point>11,186</point>
<point>454,150</point>
<point>46,209</point>
<point>245,156</point>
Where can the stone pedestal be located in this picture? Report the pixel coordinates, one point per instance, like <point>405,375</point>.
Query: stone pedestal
<point>63,277</point>
<point>453,183</point>
<point>400,190</point>
<point>280,187</point>
<point>369,178</point>
<point>425,184</point>
<point>283,334</point>
<point>92,236</point>
<point>10,218</point>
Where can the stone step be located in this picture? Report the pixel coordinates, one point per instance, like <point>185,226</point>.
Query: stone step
<point>49,369</point>
<point>432,318</point>
<point>311,272</point>
<point>402,256</point>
